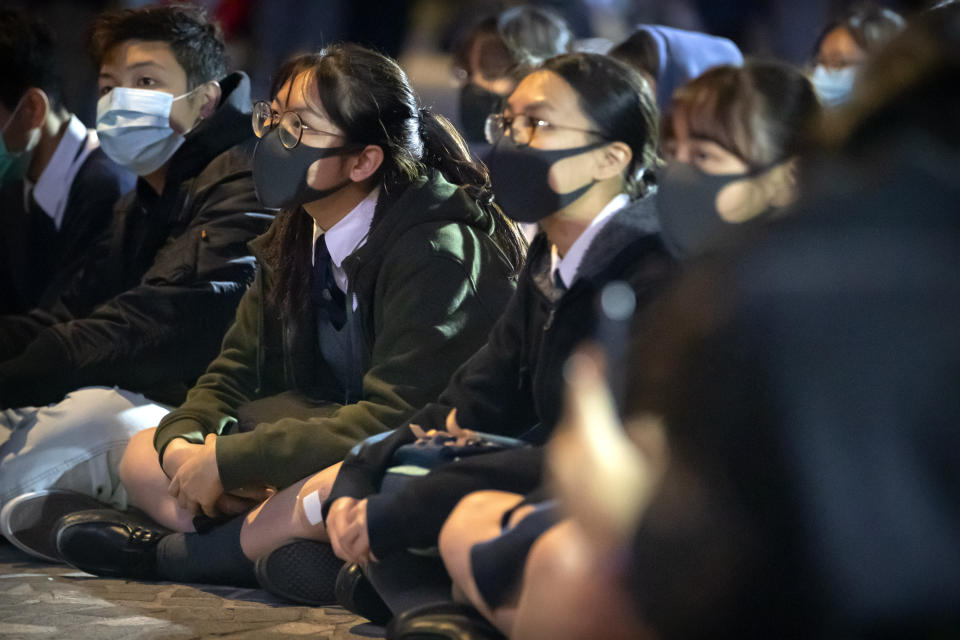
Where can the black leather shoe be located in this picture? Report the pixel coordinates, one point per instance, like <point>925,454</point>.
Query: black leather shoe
<point>442,621</point>
<point>29,520</point>
<point>107,542</point>
<point>302,571</point>
<point>355,594</point>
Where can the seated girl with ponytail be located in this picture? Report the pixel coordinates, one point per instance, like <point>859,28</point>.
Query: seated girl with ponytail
<point>385,269</point>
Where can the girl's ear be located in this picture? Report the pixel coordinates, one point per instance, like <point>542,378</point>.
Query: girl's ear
<point>614,160</point>
<point>366,163</point>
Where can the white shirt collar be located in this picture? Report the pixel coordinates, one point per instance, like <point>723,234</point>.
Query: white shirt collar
<point>570,263</point>
<point>351,231</point>
<point>53,186</point>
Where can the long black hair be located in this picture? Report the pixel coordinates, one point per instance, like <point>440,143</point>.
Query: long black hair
<point>367,95</point>
<point>621,105</point>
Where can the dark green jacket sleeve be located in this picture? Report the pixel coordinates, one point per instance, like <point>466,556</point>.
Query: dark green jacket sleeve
<point>428,318</point>
<point>230,380</point>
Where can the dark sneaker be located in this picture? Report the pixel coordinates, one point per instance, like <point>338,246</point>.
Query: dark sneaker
<point>356,594</point>
<point>29,520</point>
<point>107,542</point>
<point>303,571</point>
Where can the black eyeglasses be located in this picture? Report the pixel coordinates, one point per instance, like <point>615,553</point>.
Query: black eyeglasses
<point>521,128</point>
<point>291,130</point>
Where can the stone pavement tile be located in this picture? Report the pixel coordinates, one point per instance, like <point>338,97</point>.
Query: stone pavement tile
<point>269,614</point>
<point>9,630</point>
<point>189,593</point>
<point>42,601</point>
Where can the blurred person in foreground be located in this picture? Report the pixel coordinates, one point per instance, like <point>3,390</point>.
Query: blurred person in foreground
<point>806,389</point>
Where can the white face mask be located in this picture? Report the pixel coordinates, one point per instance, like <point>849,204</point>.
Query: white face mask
<point>834,86</point>
<point>134,128</point>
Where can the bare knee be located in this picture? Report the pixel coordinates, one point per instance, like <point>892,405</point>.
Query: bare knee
<point>553,557</point>
<point>455,533</point>
<point>568,595</point>
<point>308,522</point>
<point>476,518</point>
<point>139,461</point>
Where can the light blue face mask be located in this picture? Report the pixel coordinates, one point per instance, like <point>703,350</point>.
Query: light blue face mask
<point>134,128</point>
<point>833,86</point>
<point>14,164</point>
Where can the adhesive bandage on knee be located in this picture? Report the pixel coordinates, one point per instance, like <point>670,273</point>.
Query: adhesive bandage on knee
<point>313,508</point>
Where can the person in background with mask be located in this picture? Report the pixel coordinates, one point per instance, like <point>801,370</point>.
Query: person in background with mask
<point>492,56</point>
<point>57,187</point>
<point>569,148</point>
<point>845,46</point>
<point>411,266</point>
<point>146,312</point>
<point>732,140</point>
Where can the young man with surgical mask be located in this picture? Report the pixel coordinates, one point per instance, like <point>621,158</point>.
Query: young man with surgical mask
<point>146,312</point>
<point>57,188</point>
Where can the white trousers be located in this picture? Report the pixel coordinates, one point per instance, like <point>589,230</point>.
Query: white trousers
<point>74,444</point>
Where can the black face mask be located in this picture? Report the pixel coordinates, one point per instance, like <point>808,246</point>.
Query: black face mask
<point>520,177</point>
<point>280,174</point>
<point>687,205</point>
<point>476,104</point>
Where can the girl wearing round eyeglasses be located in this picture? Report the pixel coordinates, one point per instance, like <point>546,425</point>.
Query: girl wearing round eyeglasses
<point>384,270</point>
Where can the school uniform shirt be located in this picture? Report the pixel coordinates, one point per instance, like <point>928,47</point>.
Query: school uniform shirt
<point>346,236</point>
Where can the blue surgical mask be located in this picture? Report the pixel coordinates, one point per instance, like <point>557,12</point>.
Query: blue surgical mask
<point>134,128</point>
<point>14,164</point>
<point>834,86</point>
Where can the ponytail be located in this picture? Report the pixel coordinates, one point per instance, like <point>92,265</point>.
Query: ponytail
<point>445,150</point>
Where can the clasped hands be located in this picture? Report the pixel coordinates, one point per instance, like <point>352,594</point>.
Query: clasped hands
<point>347,519</point>
<point>195,480</point>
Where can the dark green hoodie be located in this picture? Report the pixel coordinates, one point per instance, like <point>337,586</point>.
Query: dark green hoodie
<point>430,283</point>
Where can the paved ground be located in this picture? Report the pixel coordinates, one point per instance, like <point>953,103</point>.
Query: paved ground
<point>40,600</point>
